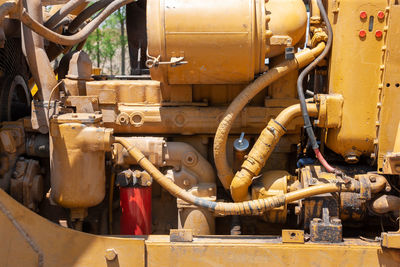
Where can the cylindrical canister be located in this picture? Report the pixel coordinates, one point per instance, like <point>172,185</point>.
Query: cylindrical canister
<point>135,204</point>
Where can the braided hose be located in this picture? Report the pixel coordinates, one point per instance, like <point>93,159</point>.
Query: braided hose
<point>254,207</point>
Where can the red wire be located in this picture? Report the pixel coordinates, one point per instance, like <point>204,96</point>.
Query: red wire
<point>324,163</point>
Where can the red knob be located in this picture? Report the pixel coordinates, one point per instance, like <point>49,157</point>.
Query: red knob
<point>362,34</point>
<point>381,15</point>
<point>363,15</point>
<point>378,34</point>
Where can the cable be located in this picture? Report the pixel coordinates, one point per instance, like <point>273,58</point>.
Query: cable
<point>306,117</point>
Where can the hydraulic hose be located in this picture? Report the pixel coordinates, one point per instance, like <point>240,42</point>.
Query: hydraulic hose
<point>254,207</point>
<point>62,13</point>
<point>86,14</point>
<point>307,122</point>
<point>302,58</point>
<point>54,37</point>
<point>263,149</point>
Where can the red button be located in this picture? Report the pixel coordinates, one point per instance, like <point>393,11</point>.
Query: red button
<point>363,33</point>
<point>363,15</point>
<point>381,15</point>
<point>378,34</point>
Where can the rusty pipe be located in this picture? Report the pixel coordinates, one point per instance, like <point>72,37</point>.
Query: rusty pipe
<point>64,11</point>
<point>54,37</point>
<point>254,207</point>
<point>33,49</point>
<point>262,150</point>
<point>303,58</point>
<point>385,204</point>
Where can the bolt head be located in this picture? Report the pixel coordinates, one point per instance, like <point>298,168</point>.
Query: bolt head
<point>111,254</point>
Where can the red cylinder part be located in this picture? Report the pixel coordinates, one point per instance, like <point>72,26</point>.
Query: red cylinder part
<point>135,203</point>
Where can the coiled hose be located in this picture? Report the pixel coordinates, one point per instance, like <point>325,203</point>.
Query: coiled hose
<point>254,207</point>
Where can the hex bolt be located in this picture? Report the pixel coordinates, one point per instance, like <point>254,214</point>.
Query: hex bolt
<point>111,254</point>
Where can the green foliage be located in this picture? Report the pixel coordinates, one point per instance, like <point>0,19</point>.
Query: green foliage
<point>103,44</point>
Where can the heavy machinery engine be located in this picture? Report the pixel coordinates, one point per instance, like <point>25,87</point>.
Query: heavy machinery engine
<point>240,119</point>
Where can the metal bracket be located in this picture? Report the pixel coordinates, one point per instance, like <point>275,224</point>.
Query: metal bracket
<point>181,235</point>
<point>391,240</point>
<point>293,236</point>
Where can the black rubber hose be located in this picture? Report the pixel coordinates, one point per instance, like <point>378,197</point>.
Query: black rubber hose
<point>306,71</point>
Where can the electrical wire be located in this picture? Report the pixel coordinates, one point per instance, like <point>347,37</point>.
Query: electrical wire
<point>306,117</point>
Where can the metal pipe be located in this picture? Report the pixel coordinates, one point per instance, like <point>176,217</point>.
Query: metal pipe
<point>254,207</point>
<point>54,37</point>
<point>263,149</point>
<point>62,13</point>
<point>86,14</point>
<point>315,13</point>
<point>303,58</point>
<point>33,48</point>
<point>385,204</point>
